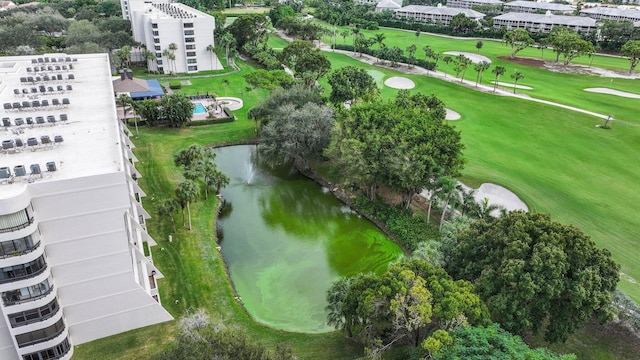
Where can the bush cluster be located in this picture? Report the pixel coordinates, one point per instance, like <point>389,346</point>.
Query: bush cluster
<point>429,65</point>
<point>408,229</point>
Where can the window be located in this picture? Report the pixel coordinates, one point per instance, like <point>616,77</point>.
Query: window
<point>19,246</point>
<point>187,25</point>
<point>158,55</point>
<point>192,68</point>
<point>190,47</point>
<point>192,61</point>
<point>154,26</point>
<point>22,271</point>
<point>34,315</point>
<point>28,293</point>
<point>40,335</point>
<point>157,47</point>
<point>156,40</point>
<point>191,53</point>
<point>189,40</point>
<point>53,353</point>
<point>159,62</point>
<point>16,221</point>
<point>156,33</point>
<point>188,32</point>
<point>160,68</point>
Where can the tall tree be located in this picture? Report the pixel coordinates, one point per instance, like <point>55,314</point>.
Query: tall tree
<point>148,57</point>
<point>631,49</point>
<point>481,67</point>
<point>518,39</point>
<point>269,80</point>
<point>479,45</point>
<point>534,273</point>
<point>296,134</point>
<point>297,95</point>
<point>211,49</point>
<point>516,76</point>
<point>227,41</point>
<point>404,305</point>
<point>447,59</point>
<point>168,207</point>
<point>250,29</point>
<point>352,83</point>
<point>187,192</point>
<point>498,71</point>
<point>462,63</point>
<point>411,50</point>
<point>307,62</point>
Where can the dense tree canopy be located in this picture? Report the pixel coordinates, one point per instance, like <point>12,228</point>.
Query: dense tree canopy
<point>269,79</point>
<point>631,49</point>
<point>307,62</point>
<point>404,144</point>
<point>492,342</point>
<point>296,95</point>
<point>517,39</point>
<point>569,44</point>
<point>177,110</point>
<point>405,305</point>
<point>531,271</point>
<point>352,83</point>
<point>250,29</point>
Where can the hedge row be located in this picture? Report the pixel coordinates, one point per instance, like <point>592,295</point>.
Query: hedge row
<point>429,65</point>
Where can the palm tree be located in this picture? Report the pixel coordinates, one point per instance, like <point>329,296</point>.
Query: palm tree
<point>225,82</point>
<point>218,179</point>
<point>148,56</point>
<point>449,187</point>
<point>447,59</point>
<point>485,65</point>
<point>336,297</point>
<point>344,35</point>
<point>124,100</point>
<point>355,31</point>
<point>166,54</point>
<point>212,50</point>
<point>461,66</point>
<point>227,40</point>
<point>412,54</point>
<point>498,71</point>
<point>516,76</point>
<point>172,48</point>
<point>186,192</point>
<point>484,209</point>
<point>168,207</point>
<point>379,39</point>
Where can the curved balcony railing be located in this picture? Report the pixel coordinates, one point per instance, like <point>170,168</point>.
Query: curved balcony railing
<point>56,352</point>
<point>23,271</point>
<point>18,247</point>
<point>27,294</point>
<point>41,335</point>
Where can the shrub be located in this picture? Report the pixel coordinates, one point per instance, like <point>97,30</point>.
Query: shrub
<point>175,85</point>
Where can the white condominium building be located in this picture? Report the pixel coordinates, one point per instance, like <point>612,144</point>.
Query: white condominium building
<point>75,260</point>
<point>468,4</point>
<point>533,7</point>
<point>543,22</point>
<point>611,13</point>
<point>436,14</point>
<point>158,24</point>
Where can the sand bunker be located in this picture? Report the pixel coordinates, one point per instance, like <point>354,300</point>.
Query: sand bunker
<point>500,196</point>
<point>452,115</point>
<point>510,85</point>
<point>613,92</point>
<point>398,82</point>
<point>475,58</point>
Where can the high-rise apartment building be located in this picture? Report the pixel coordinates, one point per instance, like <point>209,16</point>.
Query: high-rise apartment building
<point>75,260</point>
<point>159,24</point>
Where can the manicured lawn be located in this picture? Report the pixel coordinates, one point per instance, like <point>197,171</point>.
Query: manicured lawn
<point>554,159</point>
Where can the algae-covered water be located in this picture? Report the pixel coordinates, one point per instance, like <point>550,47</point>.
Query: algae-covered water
<point>285,240</point>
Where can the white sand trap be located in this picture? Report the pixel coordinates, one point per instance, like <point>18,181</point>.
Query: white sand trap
<point>399,82</point>
<point>452,115</point>
<point>613,92</point>
<point>475,58</point>
<point>505,84</point>
<point>500,196</point>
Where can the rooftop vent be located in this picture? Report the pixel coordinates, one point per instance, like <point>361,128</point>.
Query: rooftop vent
<point>7,144</point>
<point>51,166</point>
<point>19,170</point>
<point>5,172</point>
<point>35,169</point>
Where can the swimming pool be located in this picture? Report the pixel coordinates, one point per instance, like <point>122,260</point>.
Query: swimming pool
<point>199,109</point>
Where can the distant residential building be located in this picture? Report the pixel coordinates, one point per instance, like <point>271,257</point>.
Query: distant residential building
<point>543,22</point>
<point>7,5</point>
<point>610,13</point>
<point>537,7</point>
<point>468,4</point>
<point>388,5</point>
<point>436,14</point>
<point>158,24</point>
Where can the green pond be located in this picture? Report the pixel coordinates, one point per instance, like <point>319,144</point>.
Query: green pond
<point>285,240</point>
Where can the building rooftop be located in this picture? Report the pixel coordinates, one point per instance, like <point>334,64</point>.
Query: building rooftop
<point>76,109</point>
<point>490,2</point>
<point>389,4</point>
<point>548,19</point>
<point>173,10</point>
<point>612,11</point>
<point>540,5</point>
<point>440,10</point>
